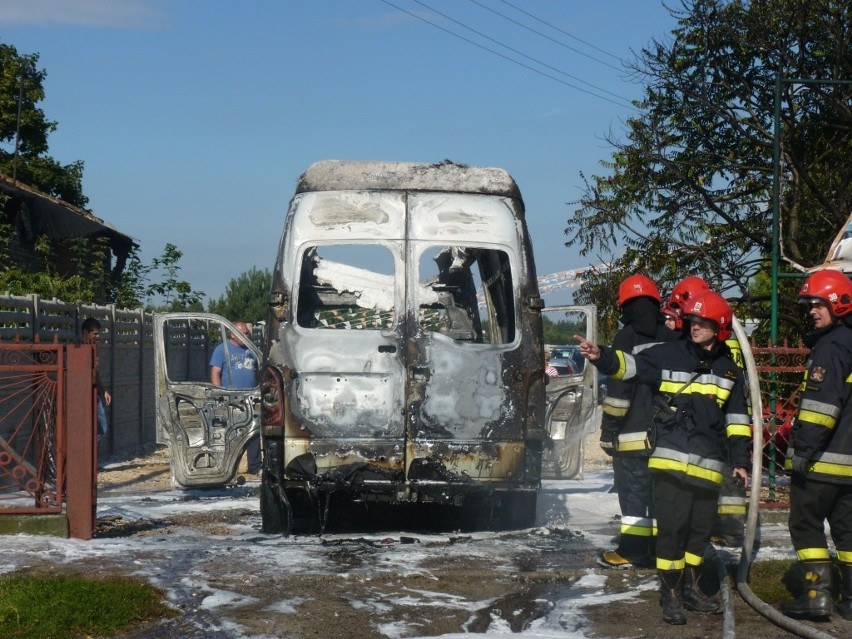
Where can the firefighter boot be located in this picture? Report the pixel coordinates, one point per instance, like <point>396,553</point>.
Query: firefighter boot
<point>671,598</point>
<point>844,606</point>
<point>815,598</point>
<point>694,598</point>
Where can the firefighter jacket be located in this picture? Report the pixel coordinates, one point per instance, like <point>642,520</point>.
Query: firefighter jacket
<point>701,416</point>
<point>822,431</point>
<point>628,414</point>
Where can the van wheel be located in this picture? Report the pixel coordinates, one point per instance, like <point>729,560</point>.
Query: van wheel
<point>273,515</point>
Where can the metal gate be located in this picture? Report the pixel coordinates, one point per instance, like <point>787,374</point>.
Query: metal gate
<point>780,370</point>
<point>47,434</point>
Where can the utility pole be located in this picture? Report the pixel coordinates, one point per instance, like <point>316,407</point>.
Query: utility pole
<point>18,126</point>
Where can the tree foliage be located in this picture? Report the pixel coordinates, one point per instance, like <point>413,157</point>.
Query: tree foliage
<point>689,188</point>
<point>21,81</point>
<point>157,286</point>
<point>90,279</point>
<point>562,331</point>
<point>246,297</point>
<point>25,127</point>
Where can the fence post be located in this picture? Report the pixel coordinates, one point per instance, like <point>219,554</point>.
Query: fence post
<point>34,317</point>
<point>111,386</point>
<point>81,459</point>
<point>140,331</point>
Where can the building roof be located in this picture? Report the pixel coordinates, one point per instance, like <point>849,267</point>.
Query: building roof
<point>59,219</point>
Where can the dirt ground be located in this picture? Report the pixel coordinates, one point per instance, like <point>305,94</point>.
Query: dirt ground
<point>517,598</point>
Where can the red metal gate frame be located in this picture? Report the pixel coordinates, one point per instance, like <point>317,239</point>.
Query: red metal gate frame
<point>51,386</point>
<point>780,370</point>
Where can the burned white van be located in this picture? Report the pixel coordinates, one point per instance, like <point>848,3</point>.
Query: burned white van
<point>403,355</point>
<point>402,358</point>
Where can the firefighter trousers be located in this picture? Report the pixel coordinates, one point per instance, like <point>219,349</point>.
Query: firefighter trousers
<point>811,503</point>
<point>633,485</point>
<point>732,510</point>
<point>685,517</point>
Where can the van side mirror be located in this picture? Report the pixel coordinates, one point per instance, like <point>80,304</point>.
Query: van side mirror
<point>279,304</point>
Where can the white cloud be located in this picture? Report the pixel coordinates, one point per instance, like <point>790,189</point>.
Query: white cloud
<point>89,13</point>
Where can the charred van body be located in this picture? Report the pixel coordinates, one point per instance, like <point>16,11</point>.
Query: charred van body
<point>403,354</point>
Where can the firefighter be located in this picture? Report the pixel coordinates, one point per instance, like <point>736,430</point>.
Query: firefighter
<point>820,450</point>
<point>627,417</point>
<point>732,509</point>
<point>702,428</point>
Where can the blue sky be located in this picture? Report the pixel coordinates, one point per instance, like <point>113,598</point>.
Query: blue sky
<point>195,118</point>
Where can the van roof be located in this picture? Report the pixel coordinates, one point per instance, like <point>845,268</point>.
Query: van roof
<point>343,175</point>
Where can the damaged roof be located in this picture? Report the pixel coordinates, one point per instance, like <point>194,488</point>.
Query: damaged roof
<point>59,219</point>
<point>343,175</point>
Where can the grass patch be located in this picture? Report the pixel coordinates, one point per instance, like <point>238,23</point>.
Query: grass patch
<point>767,580</point>
<point>57,607</point>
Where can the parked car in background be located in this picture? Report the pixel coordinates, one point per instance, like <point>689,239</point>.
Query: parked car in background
<point>569,353</point>
<point>562,366</point>
<point>565,357</point>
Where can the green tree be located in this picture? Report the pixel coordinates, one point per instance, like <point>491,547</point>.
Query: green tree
<point>21,84</point>
<point>561,332</point>
<point>157,286</point>
<point>689,188</point>
<point>245,297</point>
<point>90,277</point>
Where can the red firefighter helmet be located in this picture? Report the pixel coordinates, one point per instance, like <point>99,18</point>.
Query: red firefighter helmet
<point>687,288</point>
<point>674,313</point>
<point>832,287</point>
<point>637,286</point>
<point>711,306</point>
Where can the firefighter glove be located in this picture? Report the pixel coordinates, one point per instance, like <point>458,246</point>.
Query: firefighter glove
<point>800,465</point>
<point>608,440</point>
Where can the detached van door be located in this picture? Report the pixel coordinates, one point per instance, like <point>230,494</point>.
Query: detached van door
<point>207,427</point>
<point>573,389</point>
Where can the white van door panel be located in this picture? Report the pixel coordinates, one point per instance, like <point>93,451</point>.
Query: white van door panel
<point>464,295</point>
<point>207,427</point>
<point>347,344</point>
